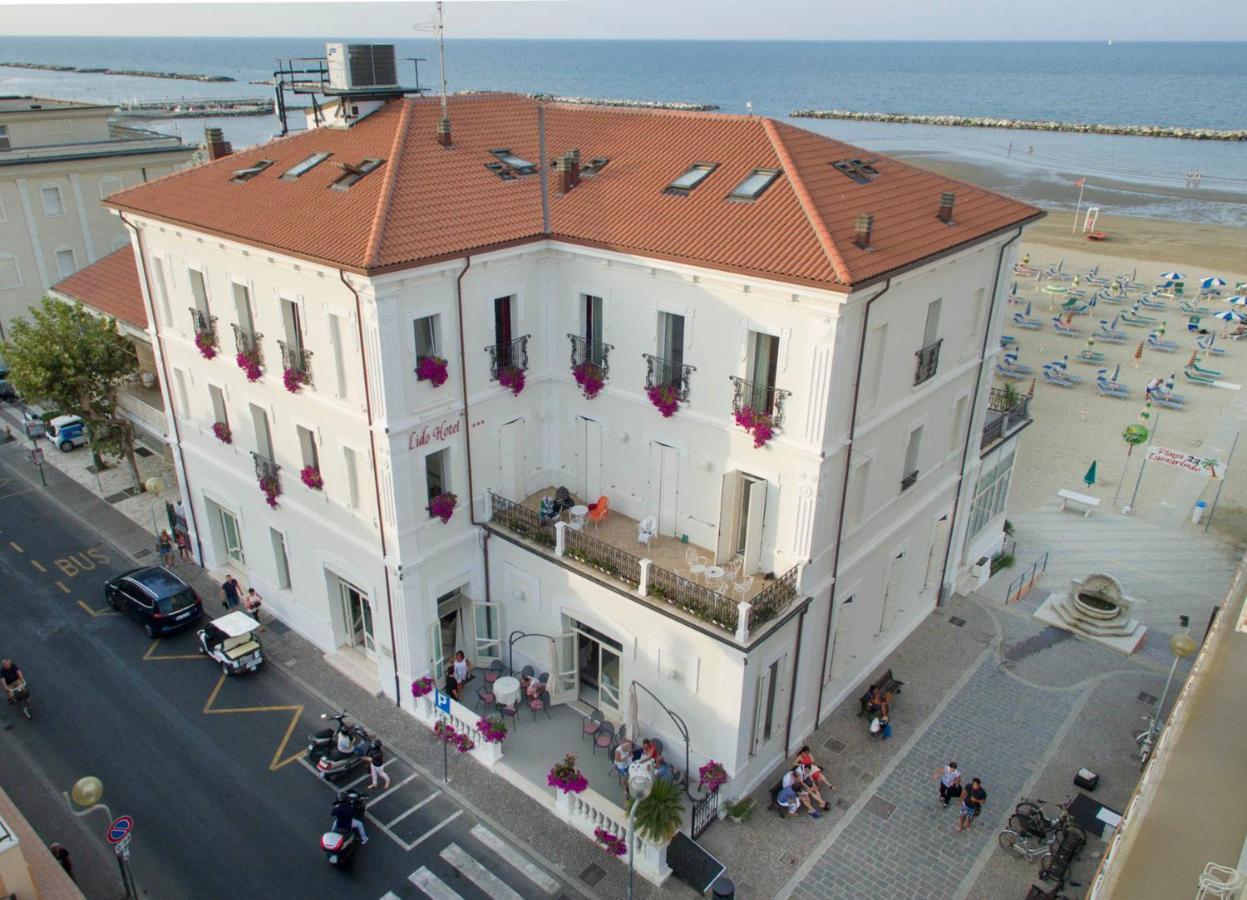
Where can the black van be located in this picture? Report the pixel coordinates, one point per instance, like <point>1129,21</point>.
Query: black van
<point>156,597</point>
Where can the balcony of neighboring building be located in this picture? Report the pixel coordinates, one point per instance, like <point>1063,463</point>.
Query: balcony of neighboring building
<point>1008,412</point>
<point>141,401</point>
<point>662,571</point>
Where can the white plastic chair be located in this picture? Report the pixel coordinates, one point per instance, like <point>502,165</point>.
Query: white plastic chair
<point>645,530</point>
<point>697,567</point>
<point>1219,881</point>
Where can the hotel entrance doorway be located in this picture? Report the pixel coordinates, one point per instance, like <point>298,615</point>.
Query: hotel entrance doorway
<point>598,668</point>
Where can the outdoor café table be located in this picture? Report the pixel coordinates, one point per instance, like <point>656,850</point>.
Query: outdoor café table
<point>578,514</point>
<point>714,577</point>
<point>507,690</point>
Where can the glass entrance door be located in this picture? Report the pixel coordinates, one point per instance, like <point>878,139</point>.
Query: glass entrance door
<point>600,670</point>
<point>358,611</point>
<point>233,537</point>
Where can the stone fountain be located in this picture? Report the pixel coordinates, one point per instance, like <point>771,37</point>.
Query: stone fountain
<point>1095,608</point>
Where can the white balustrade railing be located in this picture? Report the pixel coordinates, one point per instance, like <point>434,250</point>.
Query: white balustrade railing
<point>589,811</point>
<point>463,720</point>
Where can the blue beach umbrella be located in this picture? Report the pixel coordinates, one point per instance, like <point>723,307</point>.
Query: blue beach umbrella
<point>1228,316</point>
<point>1172,276</point>
<point>1237,299</point>
<point>1212,282</point>
<point>1028,310</point>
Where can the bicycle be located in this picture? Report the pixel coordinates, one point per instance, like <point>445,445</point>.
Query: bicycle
<point>1029,818</point>
<point>19,695</point>
<point>1018,843</point>
<point>1147,739</point>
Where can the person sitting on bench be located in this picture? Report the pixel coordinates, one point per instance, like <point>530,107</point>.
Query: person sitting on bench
<point>878,702</point>
<point>799,775</point>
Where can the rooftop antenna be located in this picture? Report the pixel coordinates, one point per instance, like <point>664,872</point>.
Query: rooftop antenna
<point>749,107</point>
<point>438,26</point>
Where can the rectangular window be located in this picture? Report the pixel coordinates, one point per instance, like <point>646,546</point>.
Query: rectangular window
<point>754,184</point>
<point>162,289</point>
<point>233,537</point>
<point>932,332</point>
<point>219,412</point>
<point>353,173</point>
<point>4,137</point>
<point>352,477</point>
<point>990,495</point>
<point>179,378</point>
<point>243,175</point>
<point>53,205</point>
<point>437,473</point>
<point>281,558</point>
<point>979,296</point>
<point>199,290</point>
<point>693,176</point>
<point>66,264</point>
<point>909,474</point>
<point>670,349</point>
<point>428,338</point>
<point>307,165</point>
<point>336,328</point>
<point>292,324</point>
<point>10,273</point>
<point>503,332</point>
<point>307,447</point>
<point>763,367</point>
<point>959,423</point>
<point>263,438</point>
<point>591,327</point>
<point>242,306</point>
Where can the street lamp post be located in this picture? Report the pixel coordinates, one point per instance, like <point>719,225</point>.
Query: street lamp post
<point>87,792</point>
<point>640,783</point>
<point>1181,645</point>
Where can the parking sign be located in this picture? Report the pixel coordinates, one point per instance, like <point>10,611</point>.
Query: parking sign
<point>442,701</point>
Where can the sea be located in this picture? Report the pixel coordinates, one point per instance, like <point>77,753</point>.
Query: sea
<point>1194,85</point>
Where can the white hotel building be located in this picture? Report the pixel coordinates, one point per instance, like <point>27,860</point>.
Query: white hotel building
<point>726,257</point>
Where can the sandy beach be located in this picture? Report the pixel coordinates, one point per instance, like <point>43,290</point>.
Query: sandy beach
<point>1075,426</point>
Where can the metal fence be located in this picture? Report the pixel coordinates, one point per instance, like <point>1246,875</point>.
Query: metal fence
<point>773,599</point>
<point>1021,585</point>
<point>705,813</point>
<point>694,599</point>
<point>602,556</point>
<point>523,521</point>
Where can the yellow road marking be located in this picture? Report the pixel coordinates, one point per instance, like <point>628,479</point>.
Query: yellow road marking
<point>15,547</point>
<point>62,587</point>
<point>96,613</point>
<point>38,565</point>
<point>296,711</point>
<point>148,657</point>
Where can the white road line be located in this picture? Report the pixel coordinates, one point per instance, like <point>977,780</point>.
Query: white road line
<point>391,789</point>
<point>531,871</point>
<point>435,829</point>
<point>484,879</point>
<point>432,885</point>
<point>413,809</point>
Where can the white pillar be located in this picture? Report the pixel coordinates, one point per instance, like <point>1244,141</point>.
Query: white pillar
<point>560,542</point>
<point>742,621</point>
<point>642,589</point>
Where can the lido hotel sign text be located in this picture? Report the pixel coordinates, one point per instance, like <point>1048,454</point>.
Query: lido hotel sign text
<point>442,431</point>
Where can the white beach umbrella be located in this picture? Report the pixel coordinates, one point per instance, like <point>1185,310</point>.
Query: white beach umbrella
<point>1172,276</point>
<point>1237,299</point>
<point>1228,316</point>
<point>1212,281</point>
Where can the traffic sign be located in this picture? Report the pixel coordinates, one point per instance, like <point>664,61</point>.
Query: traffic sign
<point>122,848</point>
<point>442,700</point>
<point>120,830</point>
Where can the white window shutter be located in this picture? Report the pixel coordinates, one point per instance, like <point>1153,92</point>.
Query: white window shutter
<point>785,338</point>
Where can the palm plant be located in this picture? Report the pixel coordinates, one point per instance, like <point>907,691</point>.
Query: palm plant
<point>660,815</point>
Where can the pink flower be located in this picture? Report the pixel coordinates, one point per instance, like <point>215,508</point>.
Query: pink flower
<point>293,379</point>
<point>443,506</point>
<point>422,686</point>
<point>566,777</point>
<point>612,843</point>
<point>512,377</point>
<point>271,488</point>
<point>759,424</point>
<point>712,776</point>
<point>493,731</point>
<point>311,477</point>
<point>590,378</point>
<point>222,432</point>
<point>431,368</point>
<point>664,398</point>
<point>249,364</point>
<point>206,344</point>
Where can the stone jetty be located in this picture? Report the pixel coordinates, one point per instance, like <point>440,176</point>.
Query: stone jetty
<point>133,73</point>
<point>599,101</point>
<point>1189,134</point>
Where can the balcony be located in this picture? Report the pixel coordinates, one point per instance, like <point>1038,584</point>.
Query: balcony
<point>761,398</point>
<point>1007,413</point>
<point>666,373</point>
<point>143,405</point>
<point>608,554</point>
<point>265,468</point>
<point>595,352</point>
<point>928,362</point>
<point>248,344</point>
<point>295,359</point>
<point>509,355</point>
<point>204,327</point>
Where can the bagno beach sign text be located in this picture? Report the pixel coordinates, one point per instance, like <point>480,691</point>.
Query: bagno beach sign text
<point>429,434</point>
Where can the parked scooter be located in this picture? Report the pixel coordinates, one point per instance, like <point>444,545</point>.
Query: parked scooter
<point>340,841</point>
<point>322,742</point>
<point>350,753</point>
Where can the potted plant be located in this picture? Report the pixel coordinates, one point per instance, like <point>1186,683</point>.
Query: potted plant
<point>311,477</point>
<point>422,687</point>
<point>250,364</point>
<point>740,810</point>
<point>590,378</point>
<point>711,777</point>
<point>566,777</point>
<point>431,369</point>
<point>293,379</point>
<point>512,377</point>
<point>660,815</point>
<point>222,432</point>
<point>664,398</point>
<point>758,424</point>
<point>443,506</point>
<point>612,843</point>
<point>206,344</point>
<point>271,488</point>
<point>446,732</point>
<point>493,730</point>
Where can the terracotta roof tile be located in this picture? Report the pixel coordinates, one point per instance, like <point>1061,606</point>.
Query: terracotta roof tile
<point>432,202</point>
<point>110,285</point>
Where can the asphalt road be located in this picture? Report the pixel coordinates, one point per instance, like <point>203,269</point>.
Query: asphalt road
<point>223,806</point>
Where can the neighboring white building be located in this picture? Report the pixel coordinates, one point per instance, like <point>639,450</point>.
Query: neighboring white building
<point>726,257</point>
<point>58,161</point>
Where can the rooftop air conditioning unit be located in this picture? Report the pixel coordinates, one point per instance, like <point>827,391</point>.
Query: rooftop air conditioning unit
<point>354,67</point>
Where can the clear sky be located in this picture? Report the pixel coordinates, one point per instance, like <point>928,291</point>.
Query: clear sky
<point>794,19</point>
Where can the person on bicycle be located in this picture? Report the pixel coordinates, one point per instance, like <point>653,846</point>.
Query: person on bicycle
<point>12,677</point>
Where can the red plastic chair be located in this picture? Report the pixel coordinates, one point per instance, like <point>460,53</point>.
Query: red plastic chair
<point>598,511</point>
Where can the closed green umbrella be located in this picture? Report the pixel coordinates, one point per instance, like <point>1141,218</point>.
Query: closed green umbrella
<point>1089,478</point>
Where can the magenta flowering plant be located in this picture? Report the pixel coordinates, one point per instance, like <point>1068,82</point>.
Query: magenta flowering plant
<point>271,488</point>
<point>712,776</point>
<point>758,424</point>
<point>612,843</point>
<point>664,398</point>
<point>293,379</point>
<point>590,377</point>
<point>311,477</point>
<point>512,377</point>
<point>566,777</point>
<point>250,364</point>
<point>443,506</point>
<point>493,730</point>
<point>433,369</point>
<point>446,732</point>
<point>422,687</point>
<point>222,432</point>
<point>206,344</point>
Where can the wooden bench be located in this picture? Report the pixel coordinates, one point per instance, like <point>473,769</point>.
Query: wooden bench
<point>1068,496</point>
<point>888,684</point>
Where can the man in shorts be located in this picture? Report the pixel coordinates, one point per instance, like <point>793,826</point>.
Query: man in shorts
<point>972,801</point>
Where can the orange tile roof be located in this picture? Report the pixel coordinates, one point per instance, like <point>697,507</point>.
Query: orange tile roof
<point>428,202</point>
<point>110,285</point>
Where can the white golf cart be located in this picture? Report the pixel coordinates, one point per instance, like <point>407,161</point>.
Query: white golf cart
<point>231,641</point>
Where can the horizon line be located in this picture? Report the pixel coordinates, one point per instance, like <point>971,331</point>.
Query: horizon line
<point>704,40</point>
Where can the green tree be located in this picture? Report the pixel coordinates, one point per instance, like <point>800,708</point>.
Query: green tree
<point>66,358</point>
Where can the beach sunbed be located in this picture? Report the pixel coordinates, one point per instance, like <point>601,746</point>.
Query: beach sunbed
<point>1135,320</point>
<point>1091,358</point>
<point>1055,376</point>
<point>1194,366</point>
<point>1207,344</point>
<point>1196,378</point>
<point>1153,302</point>
<point>1156,342</point>
<point>1022,321</point>
<point>1111,388</point>
<point>1007,340</point>
<point>1012,374</point>
<point>1062,328</point>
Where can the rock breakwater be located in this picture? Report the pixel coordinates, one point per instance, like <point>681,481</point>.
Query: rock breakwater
<point>134,73</point>
<point>600,101</point>
<point>1166,131</point>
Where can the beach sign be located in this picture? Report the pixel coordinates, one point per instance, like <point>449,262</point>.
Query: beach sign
<point>1134,434</point>
<point>1207,466</point>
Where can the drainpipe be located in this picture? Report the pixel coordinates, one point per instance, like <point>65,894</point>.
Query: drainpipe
<point>792,690</point>
<point>974,403</point>
<point>164,368</point>
<point>376,484</point>
<point>844,494</point>
<point>467,421</point>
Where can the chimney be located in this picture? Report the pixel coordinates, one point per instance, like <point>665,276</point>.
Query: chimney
<point>862,228</point>
<point>568,167</point>
<point>443,131</point>
<point>215,144</point>
<point>946,207</point>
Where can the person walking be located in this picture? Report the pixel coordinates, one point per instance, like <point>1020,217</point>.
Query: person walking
<point>230,592</point>
<point>251,605</point>
<point>950,782</point>
<point>461,670</point>
<point>165,545</point>
<point>376,764</point>
<point>972,801</point>
<point>183,541</point>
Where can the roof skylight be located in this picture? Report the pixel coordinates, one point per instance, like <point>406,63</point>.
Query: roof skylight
<point>241,175</point>
<point>858,170</point>
<point>353,173</point>
<point>308,164</point>
<point>518,163</point>
<point>693,176</point>
<point>754,184</point>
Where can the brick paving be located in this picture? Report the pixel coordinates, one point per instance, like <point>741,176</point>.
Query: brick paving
<point>997,728</point>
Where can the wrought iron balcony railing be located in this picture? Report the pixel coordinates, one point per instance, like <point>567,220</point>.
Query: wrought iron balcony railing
<point>248,343</point>
<point>1006,412</point>
<point>596,352</point>
<point>661,372</point>
<point>203,324</point>
<point>513,354</point>
<point>909,480</point>
<point>265,468</point>
<point>296,359</point>
<point>928,362</point>
<point>761,398</point>
<point>773,599</point>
